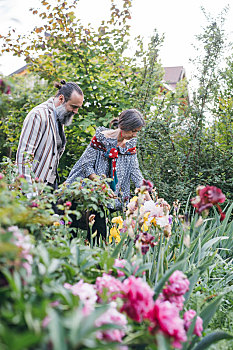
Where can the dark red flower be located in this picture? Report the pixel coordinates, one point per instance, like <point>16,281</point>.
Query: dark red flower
<point>208,196</point>
<point>211,194</point>
<point>148,184</point>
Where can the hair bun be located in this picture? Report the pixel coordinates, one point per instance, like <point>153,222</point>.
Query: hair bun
<point>114,123</point>
<point>57,85</point>
<point>63,82</point>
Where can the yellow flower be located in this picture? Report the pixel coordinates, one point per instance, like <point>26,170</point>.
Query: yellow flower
<point>145,227</point>
<point>134,199</point>
<point>114,233</point>
<point>153,221</point>
<point>56,223</point>
<point>118,220</point>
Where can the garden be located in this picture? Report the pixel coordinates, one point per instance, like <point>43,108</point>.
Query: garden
<point>163,277</point>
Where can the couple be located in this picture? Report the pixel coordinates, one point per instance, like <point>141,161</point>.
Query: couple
<point>111,152</point>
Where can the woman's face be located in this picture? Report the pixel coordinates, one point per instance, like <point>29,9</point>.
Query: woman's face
<point>127,135</point>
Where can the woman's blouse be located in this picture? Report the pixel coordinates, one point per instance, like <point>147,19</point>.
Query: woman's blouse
<point>93,161</point>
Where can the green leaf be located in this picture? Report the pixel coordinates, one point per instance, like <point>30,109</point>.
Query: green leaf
<point>117,250</point>
<point>56,331</point>
<point>212,338</point>
<point>162,342</point>
<point>208,312</point>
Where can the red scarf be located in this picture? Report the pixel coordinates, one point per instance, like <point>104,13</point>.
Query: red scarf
<point>112,155</point>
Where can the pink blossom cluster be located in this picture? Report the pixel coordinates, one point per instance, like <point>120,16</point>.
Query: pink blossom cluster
<point>23,242</point>
<point>120,263</point>
<point>86,293</point>
<point>188,317</point>
<point>164,316</point>
<point>90,294</point>
<point>108,286</point>
<point>111,316</point>
<point>175,288</point>
<point>138,304</point>
<point>138,298</point>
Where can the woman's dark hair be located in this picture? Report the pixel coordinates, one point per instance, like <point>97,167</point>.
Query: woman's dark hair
<point>66,89</point>
<point>114,123</point>
<point>129,119</point>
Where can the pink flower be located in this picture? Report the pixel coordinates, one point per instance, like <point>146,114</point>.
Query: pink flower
<point>164,316</point>
<point>188,317</point>
<point>120,263</point>
<point>33,205</point>
<point>138,298</point>
<point>68,204</point>
<point>86,293</point>
<point>23,242</point>
<point>46,321</point>
<point>55,303</point>
<point>109,286</point>
<point>1,176</point>
<point>177,300</point>
<point>178,285</point>
<point>111,316</point>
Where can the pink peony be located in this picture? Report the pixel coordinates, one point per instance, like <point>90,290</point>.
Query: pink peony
<point>138,298</point>
<point>164,316</point>
<point>86,293</point>
<point>120,263</point>
<point>178,285</point>
<point>188,317</point>
<point>110,286</point>
<point>111,316</point>
<point>23,242</point>
<point>177,300</point>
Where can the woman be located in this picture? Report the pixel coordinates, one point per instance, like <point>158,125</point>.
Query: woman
<point>113,153</point>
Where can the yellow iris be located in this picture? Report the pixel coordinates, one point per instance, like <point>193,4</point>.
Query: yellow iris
<point>118,220</point>
<point>134,199</point>
<point>145,227</point>
<point>114,233</point>
<point>153,221</point>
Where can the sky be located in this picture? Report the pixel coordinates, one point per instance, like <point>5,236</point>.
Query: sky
<point>179,20</point>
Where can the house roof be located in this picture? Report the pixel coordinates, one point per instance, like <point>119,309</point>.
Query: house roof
<point>19,71</point>
<point>173,75</point>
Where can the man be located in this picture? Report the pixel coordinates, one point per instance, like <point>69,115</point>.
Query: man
<point>42,141</point>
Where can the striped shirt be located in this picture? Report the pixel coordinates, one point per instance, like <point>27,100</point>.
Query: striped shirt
<point>37,151</point>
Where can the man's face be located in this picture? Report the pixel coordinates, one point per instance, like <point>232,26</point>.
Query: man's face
<point>66,110</point>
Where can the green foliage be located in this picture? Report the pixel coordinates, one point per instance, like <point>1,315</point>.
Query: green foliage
<point>36,309</point>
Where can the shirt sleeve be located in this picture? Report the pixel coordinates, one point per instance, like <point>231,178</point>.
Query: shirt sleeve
<point>29,140</point>
<point>136,175</point>
<point>85,166</point>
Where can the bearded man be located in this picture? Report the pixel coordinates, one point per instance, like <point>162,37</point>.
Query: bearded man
<point>42,141</point>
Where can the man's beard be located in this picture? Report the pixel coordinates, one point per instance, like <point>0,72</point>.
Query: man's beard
<point>63,116</point>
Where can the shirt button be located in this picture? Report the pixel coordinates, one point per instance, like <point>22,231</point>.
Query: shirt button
<point>51,167</point>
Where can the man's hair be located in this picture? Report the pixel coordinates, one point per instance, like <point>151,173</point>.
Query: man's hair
<point>66,89</point>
